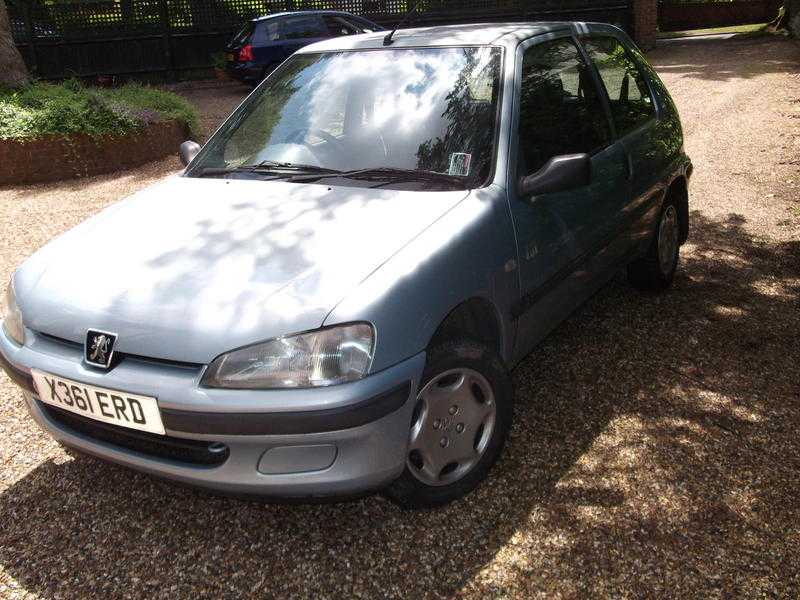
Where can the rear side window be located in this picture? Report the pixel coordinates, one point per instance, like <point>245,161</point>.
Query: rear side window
<point>560,110</point>
<point>266,31</point>
<point>631,103</point>
<point>337,26</point>
<point>310,26</point>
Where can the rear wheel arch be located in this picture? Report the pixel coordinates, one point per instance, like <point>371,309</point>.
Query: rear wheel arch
<point>678,191</point>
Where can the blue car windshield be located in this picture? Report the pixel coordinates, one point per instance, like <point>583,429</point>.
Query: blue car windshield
<point>381,112</point>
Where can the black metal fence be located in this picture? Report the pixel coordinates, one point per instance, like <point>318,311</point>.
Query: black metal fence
<point>64,38</point>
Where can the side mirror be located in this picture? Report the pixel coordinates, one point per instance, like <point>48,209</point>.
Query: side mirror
<point>561,173</point>
<point>188,151</point>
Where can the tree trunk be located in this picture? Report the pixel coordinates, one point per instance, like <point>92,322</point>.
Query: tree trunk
<point>792,10</point>
<point>13,72</point>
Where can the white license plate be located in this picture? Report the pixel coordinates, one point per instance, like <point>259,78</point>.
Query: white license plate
<point>109,406</point>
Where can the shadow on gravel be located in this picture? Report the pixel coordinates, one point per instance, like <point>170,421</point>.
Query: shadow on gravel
<point>651,431</point>
<point>735,58</point>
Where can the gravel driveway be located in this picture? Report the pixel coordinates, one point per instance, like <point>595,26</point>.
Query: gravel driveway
<point>655,453</point>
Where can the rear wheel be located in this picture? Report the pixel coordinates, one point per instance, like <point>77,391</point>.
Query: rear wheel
<point>656,270</point>
<point>460,422</point>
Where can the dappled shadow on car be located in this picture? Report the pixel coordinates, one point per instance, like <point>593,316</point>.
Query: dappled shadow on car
<point>651,431</point>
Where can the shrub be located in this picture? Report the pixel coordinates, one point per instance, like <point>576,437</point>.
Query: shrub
<point>43,108</point>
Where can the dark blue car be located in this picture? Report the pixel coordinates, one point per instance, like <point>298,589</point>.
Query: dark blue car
<point>265,42</point>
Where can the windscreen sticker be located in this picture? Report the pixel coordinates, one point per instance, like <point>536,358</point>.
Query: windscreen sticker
<point>460,163</point>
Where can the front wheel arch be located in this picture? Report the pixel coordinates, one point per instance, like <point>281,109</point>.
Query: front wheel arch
<point>409,490</point>
<point>476,319</point>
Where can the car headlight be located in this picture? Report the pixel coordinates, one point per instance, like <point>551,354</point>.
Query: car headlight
<point>11,316</point>
<point>318,358</point>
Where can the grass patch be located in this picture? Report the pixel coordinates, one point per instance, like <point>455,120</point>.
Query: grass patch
<point>43,108</point>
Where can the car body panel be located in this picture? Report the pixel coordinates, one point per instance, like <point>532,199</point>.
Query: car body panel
<point>446,265</point>
<point>222,264</point>
<point>506,35</point>
<point>557,232</point>
<point>367,456</point>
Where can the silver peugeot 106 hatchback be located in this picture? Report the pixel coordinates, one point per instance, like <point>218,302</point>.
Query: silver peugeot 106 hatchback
<point>328,300</point>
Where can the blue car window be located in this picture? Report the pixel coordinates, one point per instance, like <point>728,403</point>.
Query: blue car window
<point>242,37</point>
<point>560,110</point>
<point>265,32</point>
<point>310,26</point>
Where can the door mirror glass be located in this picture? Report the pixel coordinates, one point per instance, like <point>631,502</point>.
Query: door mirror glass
<point>188,151</point>
<point>559,174</point>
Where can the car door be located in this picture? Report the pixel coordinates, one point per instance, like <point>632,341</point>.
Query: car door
<point>559,111</point>
<point>635,118</point>
<point>301,30</point>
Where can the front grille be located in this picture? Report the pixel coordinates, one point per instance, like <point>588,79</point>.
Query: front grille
<point>120,356</point>
<point>193,452</point>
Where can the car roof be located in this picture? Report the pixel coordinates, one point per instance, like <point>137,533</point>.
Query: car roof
<point>300,13</point>
<point>476,34</point>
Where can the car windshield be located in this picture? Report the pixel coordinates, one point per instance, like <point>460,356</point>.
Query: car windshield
<point>388,116</point>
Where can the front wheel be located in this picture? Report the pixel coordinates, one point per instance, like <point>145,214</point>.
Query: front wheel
<point>656,270</point>
<point>460,422</point>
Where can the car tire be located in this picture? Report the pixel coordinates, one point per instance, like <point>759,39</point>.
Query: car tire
<point>655,271</point>
<point>464,402</point>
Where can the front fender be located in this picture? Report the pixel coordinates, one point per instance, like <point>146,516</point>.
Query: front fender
<point>465,254</point>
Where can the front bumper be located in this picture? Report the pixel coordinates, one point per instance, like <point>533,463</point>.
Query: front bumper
<point>336,441</point>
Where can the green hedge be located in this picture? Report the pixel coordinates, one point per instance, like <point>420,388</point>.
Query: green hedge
<point>43,108</point>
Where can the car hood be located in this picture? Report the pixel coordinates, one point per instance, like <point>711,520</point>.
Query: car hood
<point>191,268</point>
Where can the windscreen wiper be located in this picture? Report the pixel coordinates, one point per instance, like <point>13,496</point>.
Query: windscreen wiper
<point>270,166</point>
<point>391,174</point>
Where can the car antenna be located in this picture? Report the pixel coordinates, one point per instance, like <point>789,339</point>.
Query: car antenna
<point>387,41</point>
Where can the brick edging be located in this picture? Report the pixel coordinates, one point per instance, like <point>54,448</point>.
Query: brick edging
<point>56,157</point>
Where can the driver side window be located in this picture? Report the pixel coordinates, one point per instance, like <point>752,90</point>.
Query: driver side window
<point>560,109</point>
